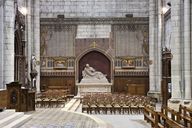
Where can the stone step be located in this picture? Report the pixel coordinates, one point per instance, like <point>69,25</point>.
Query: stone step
<point>75,106</point>
<point>6,113</point>
<point>69,105</point>
<point>19,122</point>
<point>8,119</point>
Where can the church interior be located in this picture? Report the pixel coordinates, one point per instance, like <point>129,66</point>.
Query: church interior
<point>95,63</point>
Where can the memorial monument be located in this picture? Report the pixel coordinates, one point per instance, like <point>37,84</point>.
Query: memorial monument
<point>93,81</point>
<point>90,75</point>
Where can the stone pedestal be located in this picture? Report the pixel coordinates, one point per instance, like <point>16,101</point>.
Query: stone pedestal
<point>93,87</point>
<point>155,94</point>
<point>174,103</point>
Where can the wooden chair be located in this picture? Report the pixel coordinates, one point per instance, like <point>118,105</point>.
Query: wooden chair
<point>86,106</point>
<point>127,106</point>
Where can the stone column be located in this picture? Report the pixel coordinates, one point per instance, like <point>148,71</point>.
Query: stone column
<point>28,36</point>
<point>152,80</point>
<point>155,38</point>
<point>155,29</point>
<point>159,48</point>
<point>187,50</point>
<point>36,42</point>
<point>176,49</point>
<point>1,44</point>
<point>9,22</point>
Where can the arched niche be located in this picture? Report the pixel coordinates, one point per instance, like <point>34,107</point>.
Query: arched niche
<point>98,61</point>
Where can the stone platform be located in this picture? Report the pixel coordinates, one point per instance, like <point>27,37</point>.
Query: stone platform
<point>93,87</point>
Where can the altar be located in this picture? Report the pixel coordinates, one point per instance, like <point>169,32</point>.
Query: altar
<point>93,88</point>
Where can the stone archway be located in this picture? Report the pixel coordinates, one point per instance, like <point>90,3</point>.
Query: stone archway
<point>96,60</point>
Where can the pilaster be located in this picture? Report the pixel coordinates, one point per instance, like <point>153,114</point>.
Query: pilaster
<point>181,61</point>
<point>158,48</point>
<point>1,44</point>
<point>28,37</point>
<point>155,29</point>
<point>187,51</point>
<point>152,79</point>
<point>176,49</point>
<point>8,62</point>
<point>36,42</point>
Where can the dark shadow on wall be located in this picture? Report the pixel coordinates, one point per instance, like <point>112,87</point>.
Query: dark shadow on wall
<point>98,61</point>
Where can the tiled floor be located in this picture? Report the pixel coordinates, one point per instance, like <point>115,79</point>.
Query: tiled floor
<point>58,118</point>
<point>122,121</point>
<point>125,121</point>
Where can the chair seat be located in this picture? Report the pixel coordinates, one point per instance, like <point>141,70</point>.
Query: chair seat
<point>101,105</point>
<point>93,106</point>
<point>108,106</point>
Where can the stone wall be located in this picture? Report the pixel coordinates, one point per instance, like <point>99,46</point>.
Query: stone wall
<point>176,50</point>
<point>9,18</point>
<point>93,31</point>
<point>1,44</point>
<point>93,8</point>
<point>167,38</point>
<point>21,3</point>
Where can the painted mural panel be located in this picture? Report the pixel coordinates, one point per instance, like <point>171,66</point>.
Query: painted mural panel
<point>131,40</point>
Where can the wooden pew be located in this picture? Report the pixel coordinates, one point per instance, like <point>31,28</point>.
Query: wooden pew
<point>150,115</point>
<point>162,119</point>
<point>186,115</point>
<point>171,118</point>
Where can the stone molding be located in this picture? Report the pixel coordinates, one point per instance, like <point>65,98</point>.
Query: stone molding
<point>132,73</point>
<point>55,73</point>
<point>77,21</point>
<point>174,103</point>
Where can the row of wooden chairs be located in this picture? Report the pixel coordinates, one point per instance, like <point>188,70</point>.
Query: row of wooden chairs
<point>52,98</point>
<point>169,118</point>
<point>114,103</point>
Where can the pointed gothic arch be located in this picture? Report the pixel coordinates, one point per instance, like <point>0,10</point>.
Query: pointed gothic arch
<point>96,58</point>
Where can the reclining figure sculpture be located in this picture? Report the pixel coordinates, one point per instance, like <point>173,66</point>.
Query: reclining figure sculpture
<point>90,75</point>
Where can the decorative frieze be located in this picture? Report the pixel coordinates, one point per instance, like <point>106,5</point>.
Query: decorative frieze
<point>132,62</point>
<point>95,21</point>
<point>58,73</point>
<point>58,62</point>
<point>131,27</point>
<point>131,73</point>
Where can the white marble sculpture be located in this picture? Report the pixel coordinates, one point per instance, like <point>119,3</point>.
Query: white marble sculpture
<point>90,75</point>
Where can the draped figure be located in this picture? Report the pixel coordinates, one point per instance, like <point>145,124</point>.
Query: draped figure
<point>90,75</point>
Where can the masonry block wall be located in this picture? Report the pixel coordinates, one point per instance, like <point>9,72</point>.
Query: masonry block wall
<point>93,8</point>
